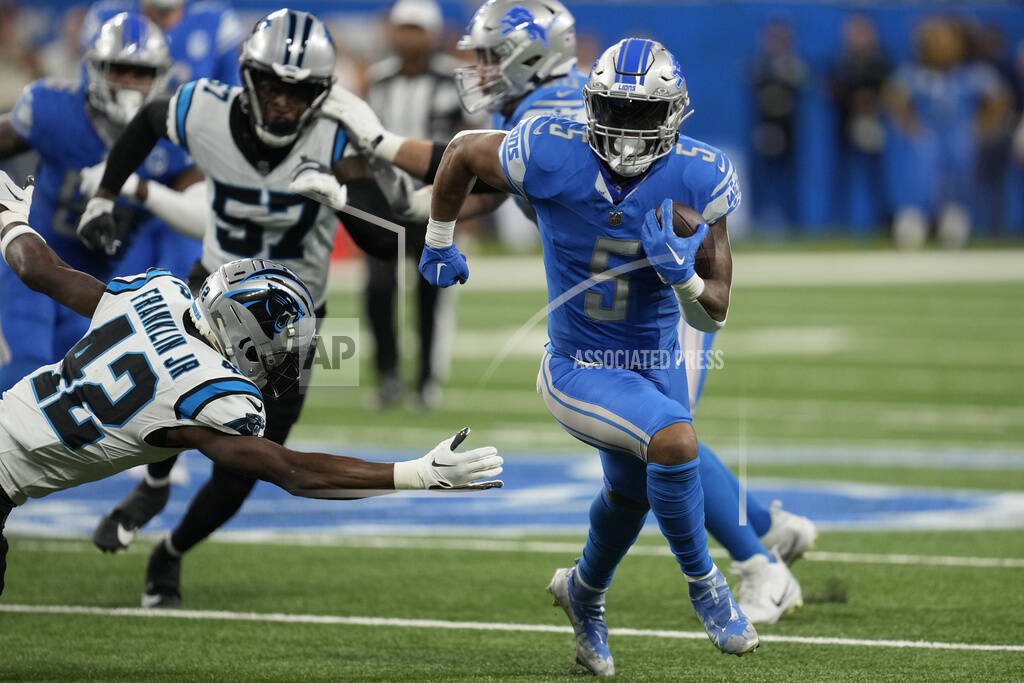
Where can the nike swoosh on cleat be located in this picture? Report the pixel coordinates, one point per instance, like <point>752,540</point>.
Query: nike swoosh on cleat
<point>782,598</point>
<point>679,261</point>
<point>125,536</point>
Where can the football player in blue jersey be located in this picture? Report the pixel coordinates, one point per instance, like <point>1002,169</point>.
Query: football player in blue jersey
<point>617,278</point>
<point>203,39</point>
<point>525,66</point>
<point>71,126</point>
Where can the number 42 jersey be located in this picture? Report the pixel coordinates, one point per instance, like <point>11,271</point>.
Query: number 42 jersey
<point>136,371</point>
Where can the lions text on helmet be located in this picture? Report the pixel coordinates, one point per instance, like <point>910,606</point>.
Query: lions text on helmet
<point>127,65</point>
<point>636,100</point>
<point>518,44</point>
<point>285,88</point>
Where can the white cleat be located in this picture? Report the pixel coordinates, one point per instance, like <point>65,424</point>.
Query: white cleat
<point>767,590</point>
<point>790,536</point>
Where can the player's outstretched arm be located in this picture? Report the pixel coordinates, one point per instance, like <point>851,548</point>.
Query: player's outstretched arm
<point>34,262</point>
<point>320,475</point>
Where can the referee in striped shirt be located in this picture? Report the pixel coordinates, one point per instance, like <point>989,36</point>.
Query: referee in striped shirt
<point>413,92</point>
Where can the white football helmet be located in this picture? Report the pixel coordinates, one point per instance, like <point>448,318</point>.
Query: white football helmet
<point>127,45</point>
<point>519,44</point>
<point>636,100</point>
<point>260,315</point>
<point>288,55</point>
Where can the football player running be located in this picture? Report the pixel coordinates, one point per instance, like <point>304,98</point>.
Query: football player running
<point>263,151</point>
<point>525,67</point>
<point>160,371</point>
<point>616,283</point>
<point>71,126</point>
<point>203,40</point>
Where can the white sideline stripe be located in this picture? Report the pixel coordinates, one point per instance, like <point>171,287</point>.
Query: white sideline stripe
<point>546,547</point>
<point>471,626</point>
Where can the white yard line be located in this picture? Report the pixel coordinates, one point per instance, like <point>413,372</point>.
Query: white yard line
<point>324,619</point>
<point>543,547</point>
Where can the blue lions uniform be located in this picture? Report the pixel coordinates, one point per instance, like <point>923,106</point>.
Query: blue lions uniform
<point>52,118</point>
<point>561,97</point>
<point>204,44</point>
<point>611,375</point>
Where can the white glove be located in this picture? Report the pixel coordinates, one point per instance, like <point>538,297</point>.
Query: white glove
<point>319,185</point>
<point>442,468</point>
<point>91,177</point>
<point>14,200</point>
<point>418,209</point>
<point>362,124</point>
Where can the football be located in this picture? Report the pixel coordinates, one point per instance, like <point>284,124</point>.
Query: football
<point>685,220</point>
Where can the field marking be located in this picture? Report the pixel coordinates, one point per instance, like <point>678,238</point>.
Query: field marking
<point>543,547</point>
<point>322,619</point>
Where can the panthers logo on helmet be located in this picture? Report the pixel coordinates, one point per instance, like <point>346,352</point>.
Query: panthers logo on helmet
<point>273,308</point>
<point>521,18</point>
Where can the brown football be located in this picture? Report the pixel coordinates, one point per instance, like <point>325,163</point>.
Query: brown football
<point>685,220</point>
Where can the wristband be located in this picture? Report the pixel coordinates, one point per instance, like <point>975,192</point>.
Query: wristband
<point>691,289</point>
<point>386,146</point>
<point>407,475</point>
<point>13,233</point>
<point>440,234</point>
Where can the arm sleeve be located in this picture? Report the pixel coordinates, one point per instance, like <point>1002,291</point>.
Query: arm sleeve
<point>135,144</point>
<point>374,240</point>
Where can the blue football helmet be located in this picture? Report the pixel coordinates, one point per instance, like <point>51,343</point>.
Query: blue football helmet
<point>518,44</point>
<point>126,65</point>
<point>636,100</point>
<point>260,315</point>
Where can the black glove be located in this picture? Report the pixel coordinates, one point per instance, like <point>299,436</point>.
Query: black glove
<point>97,228</point>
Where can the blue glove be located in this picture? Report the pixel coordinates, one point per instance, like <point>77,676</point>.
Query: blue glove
<point>670,255</point>
<point>443,267</point>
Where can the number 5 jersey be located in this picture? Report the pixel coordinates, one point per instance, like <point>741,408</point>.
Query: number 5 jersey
<point>136,371</point>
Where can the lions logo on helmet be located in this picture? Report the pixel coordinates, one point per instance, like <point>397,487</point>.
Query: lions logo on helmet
<point>636,100</point>
<point>518,45</point>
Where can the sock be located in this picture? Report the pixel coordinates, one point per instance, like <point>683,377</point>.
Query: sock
<point>721,509</point>
<point>613,529</point>
<point>758,515</point>
<point>677,502</point>
<point>158,471</point>
<point>216,503</point>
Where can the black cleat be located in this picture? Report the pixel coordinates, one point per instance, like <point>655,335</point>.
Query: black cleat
<point>163,578</point>
<point>117,529</point>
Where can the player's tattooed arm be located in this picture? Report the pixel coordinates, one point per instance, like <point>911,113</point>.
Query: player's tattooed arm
<point>10,142</point>
<point>718,280</point>
<point>471,155</point>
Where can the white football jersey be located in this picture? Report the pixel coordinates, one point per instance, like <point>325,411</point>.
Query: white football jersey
<point>253,213</point>
<point>135,371</point>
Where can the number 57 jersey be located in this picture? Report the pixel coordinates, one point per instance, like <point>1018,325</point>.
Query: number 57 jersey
<point>136,371</point>
<point>254,215</point>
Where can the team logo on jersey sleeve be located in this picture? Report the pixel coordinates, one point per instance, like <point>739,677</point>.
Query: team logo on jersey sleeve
<point>522,18</point>
<point>250,425</point>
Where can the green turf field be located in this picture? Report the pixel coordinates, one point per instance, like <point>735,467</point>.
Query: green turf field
<point>923,367</point>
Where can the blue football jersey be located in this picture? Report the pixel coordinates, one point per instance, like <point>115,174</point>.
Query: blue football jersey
<point>51,116</point>
<point>204,44</point>
<point>588,225</point>
<point>561,97</point>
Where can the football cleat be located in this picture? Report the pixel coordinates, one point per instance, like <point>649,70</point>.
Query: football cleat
<point>117,529</point>
<point>587,619</point>
<point>766,590</point>
<point>723,620</point>
<point>163,578</point>
<point>790,535</point>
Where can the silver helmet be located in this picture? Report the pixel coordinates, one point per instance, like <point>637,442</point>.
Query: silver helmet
<point>287,66</point>
<point>636,100</point>
<point>260,315</point>
<point>127,65</point>
<point>519,44</point>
